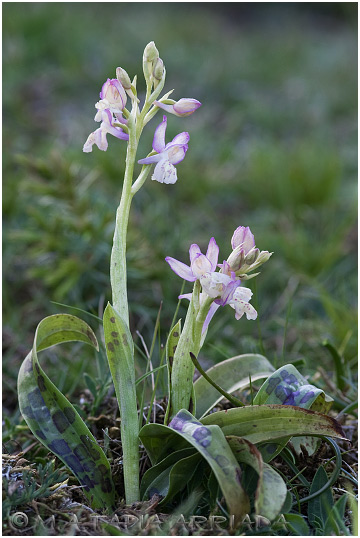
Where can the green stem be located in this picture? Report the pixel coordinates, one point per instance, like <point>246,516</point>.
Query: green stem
<point>118,277</point>
<point>190,341</point>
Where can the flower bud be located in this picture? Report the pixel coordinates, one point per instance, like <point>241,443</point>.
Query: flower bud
<point>243,236</point>
<point>236,258</point>
<point>151,52</point>
<point>158,69</point>
<point>252,256</point>
<point>123,78</point>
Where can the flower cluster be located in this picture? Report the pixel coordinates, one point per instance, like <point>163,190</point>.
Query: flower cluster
<point>112,114</point>
<point>224,286</point>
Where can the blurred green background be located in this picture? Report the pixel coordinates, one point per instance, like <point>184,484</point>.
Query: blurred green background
<point>273,147</point>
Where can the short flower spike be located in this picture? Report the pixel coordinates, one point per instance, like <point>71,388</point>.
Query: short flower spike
<point>167,155</point>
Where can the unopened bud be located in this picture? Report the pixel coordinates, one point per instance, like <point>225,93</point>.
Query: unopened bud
<point>252,256</point>
<point>158,69</point>
<point>151,52</point>
<point>123,78</point>
<point>236,258</point>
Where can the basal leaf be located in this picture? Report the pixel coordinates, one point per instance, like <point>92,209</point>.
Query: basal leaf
<point>297,524</point>
<point>320,507</point>
<point>166,464</point>
<point>334,524</point>
<point>54,421</point>
<point>286,386</point>
<point>231,374</point>
<point>266,503</point>
<point>260,423</point>
<point>211,444</point>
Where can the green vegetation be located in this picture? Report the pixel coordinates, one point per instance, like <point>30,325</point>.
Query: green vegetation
<point>273,147</point>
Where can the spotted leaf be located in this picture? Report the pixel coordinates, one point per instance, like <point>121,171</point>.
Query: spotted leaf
<point>210,442</point>
<point>54,421</point>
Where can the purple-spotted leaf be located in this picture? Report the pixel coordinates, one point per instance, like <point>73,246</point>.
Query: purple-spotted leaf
<point>210,443</point>
<point>54,421</point>
<point>262,423</point>
<point>231,374</point>
<point>288,387</point>
<point>266,503</point>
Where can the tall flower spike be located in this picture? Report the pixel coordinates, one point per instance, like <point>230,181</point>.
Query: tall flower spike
<point>199,263</point>
<point>183,107</point>
<point>167,155</point>
<point>98,137</point>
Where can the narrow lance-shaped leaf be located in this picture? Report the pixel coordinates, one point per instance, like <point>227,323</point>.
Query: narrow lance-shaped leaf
<point>266,503</point>
<point>54,421</point>
<point>231,374</point>
<point>211,444</point>
<point>120,354</point>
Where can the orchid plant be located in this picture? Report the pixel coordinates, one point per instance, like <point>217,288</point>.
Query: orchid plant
<point>189,434</point>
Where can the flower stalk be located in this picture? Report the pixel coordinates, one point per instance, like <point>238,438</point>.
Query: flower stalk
<point>119,122</point>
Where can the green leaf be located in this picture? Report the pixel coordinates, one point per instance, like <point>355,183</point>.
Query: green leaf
<point>287,386</point>
<point>266,503</point>
<point>151,475</point>
<point>211,444</point>
<point>297,524</point>
<point>320,506</point>
<point>54,421</point>
<point>335,521</point>
<point>120,353</point>
<point>260,423</point>
<point>231,374</point>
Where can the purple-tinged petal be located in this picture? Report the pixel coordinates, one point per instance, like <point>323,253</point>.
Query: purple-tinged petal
<point>118,132</point>
<point>167,108</point>
<point>114,93</point>
<point>209,316</point>
<point>100,139</point>
<point>194,251</point>
<point>243,236</point>
<point>170,174</point>
<point>164,172</point>
<point>200,265</point>
<point>150,160</point>
<point>228,293</point>
<point>186,106</point>
<point>176,154</point>
<point>185,296</point>
<point>183,107</point>
<point>159,136</point>
<point>181,139</point>
<point>182,270</point>
<point>89,143</point>
<point>212,253</point>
